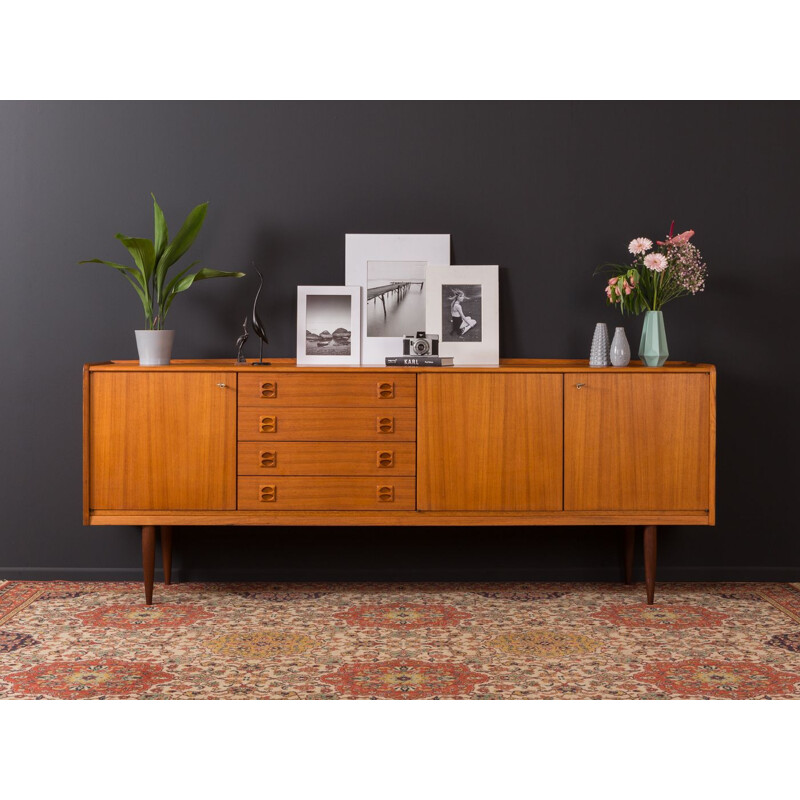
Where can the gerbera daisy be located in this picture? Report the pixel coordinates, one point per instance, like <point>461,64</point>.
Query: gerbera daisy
<point>656,262</point>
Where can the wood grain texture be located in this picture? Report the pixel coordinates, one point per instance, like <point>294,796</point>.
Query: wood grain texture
<point>327,458</point>
<point>162,440</point>
<point>402,518</point>
<point>327,424</point>
<point>326,494</point>
<point>288,365</point>
<point>148,561</point>
<point>489,442</point>
<point>712,448</point>
<point>636,442</point>
<point>333,389</point>
<point>87,426</point>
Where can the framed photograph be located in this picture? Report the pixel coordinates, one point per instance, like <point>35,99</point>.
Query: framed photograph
<point>328,326</point>
<point>462,310</point>
<point>391,270</point>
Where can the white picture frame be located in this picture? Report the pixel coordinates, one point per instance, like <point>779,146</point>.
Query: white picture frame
<point>475,340</point>
<point>327,313</point>
<point>372,257</point>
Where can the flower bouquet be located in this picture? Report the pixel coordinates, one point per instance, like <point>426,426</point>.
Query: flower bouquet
<point>656,275</point>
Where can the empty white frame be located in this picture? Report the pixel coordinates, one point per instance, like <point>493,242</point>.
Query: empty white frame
<point>391,270</point>
<point>328,326</point>
<point>463,310</point>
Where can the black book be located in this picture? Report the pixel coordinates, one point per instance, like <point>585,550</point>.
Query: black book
<point>419,361</point>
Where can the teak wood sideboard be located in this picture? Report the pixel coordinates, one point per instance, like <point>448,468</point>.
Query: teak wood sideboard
<point>531,442</point>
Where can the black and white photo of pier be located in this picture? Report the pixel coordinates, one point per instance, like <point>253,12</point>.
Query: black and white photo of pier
<point>395,297</point>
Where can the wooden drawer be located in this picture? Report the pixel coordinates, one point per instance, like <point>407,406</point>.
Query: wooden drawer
<point>326,494</point>
<point>281,424</point>
<point>319,390</point>
<point>327,458</point>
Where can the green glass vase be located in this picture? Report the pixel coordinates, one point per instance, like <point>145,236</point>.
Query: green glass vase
<point>653,345</point>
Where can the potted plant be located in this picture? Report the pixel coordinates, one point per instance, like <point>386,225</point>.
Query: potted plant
<point>656,275</point>
<point>152,262</point>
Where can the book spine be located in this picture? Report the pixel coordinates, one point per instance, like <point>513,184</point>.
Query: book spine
<point>416,361</point>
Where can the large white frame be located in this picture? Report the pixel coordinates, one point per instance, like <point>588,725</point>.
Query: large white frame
<point>354,359</point>
<point>360,249</point>
<point>487,351</point>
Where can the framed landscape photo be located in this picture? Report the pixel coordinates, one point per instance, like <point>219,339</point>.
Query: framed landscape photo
<point>328,326</point>
<point>391,270</point>
<point>462,308</point>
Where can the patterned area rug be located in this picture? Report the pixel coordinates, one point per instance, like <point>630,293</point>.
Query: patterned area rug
<point>399,641</point>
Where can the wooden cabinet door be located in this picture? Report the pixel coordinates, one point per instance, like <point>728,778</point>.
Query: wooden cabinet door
<point>162,440</point>
<point>636,442</point>
<point>489,442</point>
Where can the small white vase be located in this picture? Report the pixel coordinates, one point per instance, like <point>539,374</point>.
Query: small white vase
<point>155,347</point>
<point>620,352</point>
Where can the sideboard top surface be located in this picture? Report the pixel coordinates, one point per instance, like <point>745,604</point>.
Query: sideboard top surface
<point>506,365</point>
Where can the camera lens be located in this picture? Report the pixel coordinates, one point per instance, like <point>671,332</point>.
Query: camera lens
<point>421,347</point>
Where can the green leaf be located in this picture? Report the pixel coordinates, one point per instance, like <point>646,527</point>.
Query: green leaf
<point>146,304</point>
<point>170,290</point>
<point>180,244</point>
<point>182,282</point>
<point>161,234</point>
<point>121,267</point>
<point>142,252</point>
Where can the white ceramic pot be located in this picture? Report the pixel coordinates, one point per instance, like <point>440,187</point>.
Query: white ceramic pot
<point>155,347</point>
<point>620,352</point>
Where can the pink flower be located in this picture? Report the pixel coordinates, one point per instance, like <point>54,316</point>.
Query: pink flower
<point>656,262</point>
<point>628,289</point>
<point>681,238</point>
<point>640,245</point>
<point>612,281</point>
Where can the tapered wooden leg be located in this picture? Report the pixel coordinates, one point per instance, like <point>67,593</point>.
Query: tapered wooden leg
<point>630,532</point>
<point>166,553</point>
<point>148,561</point>
<point>650,561</point>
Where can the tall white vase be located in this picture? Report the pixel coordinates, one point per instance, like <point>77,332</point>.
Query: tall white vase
<point>155,347</point>
<point>598,356</point>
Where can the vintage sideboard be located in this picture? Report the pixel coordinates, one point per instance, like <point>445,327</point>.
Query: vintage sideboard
<point>531,442</point>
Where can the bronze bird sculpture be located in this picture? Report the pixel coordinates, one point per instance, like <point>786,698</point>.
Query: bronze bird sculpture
<point>258,326</point>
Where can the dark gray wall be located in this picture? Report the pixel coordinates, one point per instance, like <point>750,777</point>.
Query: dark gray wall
<point>547,190</point>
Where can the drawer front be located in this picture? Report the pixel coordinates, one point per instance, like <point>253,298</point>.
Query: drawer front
<point>282,424</point>
<point>374,389</point>
<point>326,494</point>
<point>326,458</point>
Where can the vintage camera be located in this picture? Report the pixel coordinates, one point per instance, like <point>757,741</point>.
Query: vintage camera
<point>421,344</point>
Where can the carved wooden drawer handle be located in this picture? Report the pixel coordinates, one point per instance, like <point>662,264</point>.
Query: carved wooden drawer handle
<point>269,389</point>
<point>385,458</point>
<point>268,424</point>
<point>385,425</point>
<point>385,494</point>
<point>385,391</point>
<point>269,458</point>
<point>268,493</point>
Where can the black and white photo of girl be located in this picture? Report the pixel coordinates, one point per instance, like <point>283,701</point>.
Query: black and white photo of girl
<point>461,313</point>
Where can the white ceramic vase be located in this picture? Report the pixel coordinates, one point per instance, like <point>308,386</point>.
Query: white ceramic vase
<point>620,352</point>
<point>155,347</point>
<point>598,356</point>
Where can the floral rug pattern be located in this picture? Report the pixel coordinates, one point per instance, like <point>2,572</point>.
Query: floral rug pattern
<point>64,640</point>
